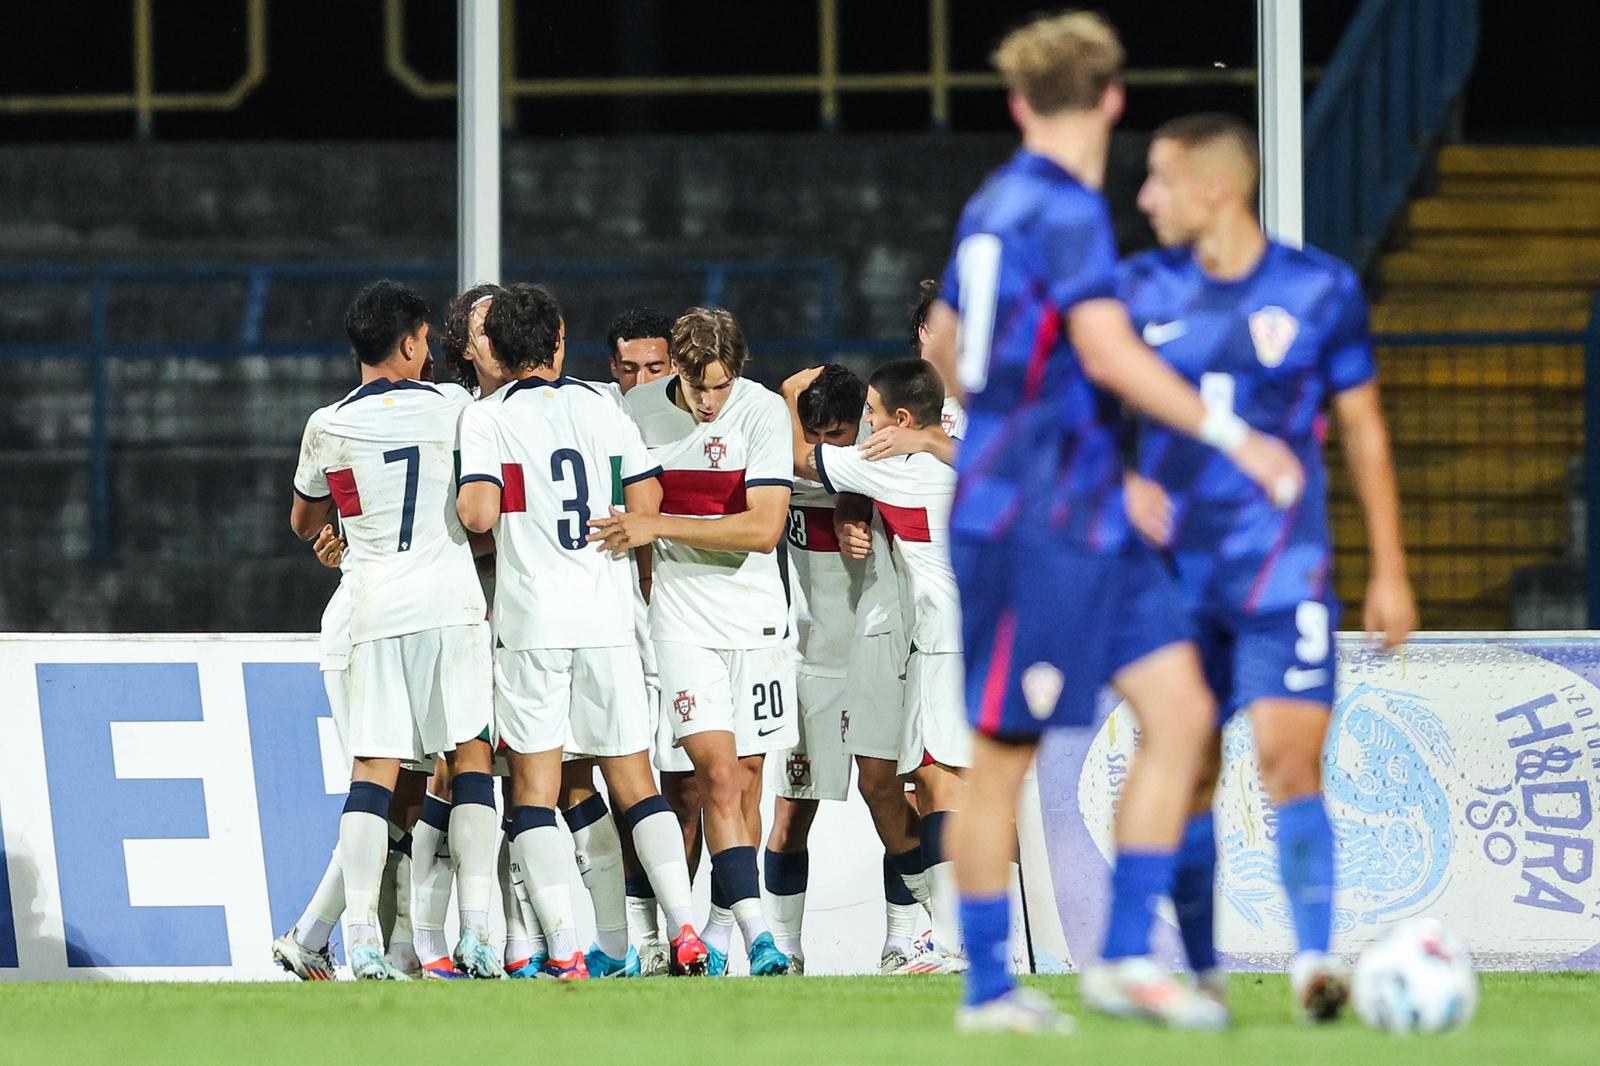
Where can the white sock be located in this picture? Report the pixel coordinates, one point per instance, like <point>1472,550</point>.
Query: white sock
<point>718,932</point>
<point>642,922</point>
<point>323,911</point>
<point>659,841</point>
<point>598,851</point>
<point>432,872</point>
<point>900,921</point>
<point>402,950</point>
<point>518,946</point>
<point>363,846</point>
<point>474,828</point>
<point>945,905</point>
<point>752,921</point>
<point>543,857</point>
<point>917,885</point>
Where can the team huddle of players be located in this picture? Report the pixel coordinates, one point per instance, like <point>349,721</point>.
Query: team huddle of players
<point>915,574</point>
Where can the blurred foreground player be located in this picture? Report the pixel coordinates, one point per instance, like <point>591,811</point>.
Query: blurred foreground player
<point>1057,597</point>
<point>1274,334</point>
<point>419,663</point>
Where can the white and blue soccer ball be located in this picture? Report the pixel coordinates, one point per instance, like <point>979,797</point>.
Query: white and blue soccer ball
<point>1417,979</point>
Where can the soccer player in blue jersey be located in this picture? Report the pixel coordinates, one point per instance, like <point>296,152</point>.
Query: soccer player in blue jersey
<point>1058,597</point>
<point>1275,334</point>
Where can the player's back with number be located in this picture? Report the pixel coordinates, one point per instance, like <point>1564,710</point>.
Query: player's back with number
<point>386,454</point>
<point>563,452</point>
<point>1040,447</point>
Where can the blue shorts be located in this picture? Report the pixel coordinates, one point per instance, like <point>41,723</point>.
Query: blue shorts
<point>1287,654</point>
<point>1046,626</point>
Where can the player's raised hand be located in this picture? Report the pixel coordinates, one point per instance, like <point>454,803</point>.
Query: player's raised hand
<point>1269,463</point>
<point>622,532</point>
<point>798,382</point>
<point>329,547</point>
<point>1149,509</point>
<point>1389,610</point>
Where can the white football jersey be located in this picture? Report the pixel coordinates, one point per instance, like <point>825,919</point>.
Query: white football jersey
<point>386,454</point>
<point>716,599</point>
<point>953,417</point>
<point>830,584</point>
<point>912,495</point>
<point>561,452</point>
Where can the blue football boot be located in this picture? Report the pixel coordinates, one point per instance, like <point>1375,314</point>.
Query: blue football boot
<point>603,965</point>
<point>765,958</point>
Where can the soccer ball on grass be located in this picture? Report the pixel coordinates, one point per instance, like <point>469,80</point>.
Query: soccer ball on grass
<point>1417,979</point>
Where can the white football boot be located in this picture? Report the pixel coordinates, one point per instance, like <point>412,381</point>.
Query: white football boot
<point>300,960</point>
<point>1021,1010</point>
<point>1139,988</point>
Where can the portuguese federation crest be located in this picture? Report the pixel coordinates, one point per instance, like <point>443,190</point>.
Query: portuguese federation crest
<point>716,451</point>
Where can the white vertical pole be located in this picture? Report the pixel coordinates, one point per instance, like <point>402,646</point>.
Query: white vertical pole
<point>1280,87</point>
<point>478,143</point>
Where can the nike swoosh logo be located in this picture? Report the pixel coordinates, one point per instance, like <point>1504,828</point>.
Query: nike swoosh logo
<point>1298,680</point>
<point>1158,333</point>
<point>768,732</point>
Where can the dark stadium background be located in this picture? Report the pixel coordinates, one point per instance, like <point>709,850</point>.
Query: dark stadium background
<point>328,81</point>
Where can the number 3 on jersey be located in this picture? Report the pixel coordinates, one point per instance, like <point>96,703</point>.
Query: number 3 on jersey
<point>572,533</point>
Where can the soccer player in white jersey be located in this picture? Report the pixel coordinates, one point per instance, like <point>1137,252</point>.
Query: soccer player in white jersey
<point>719,609</point>
<point>419,664</point>
<point>537,460</point>
<point>912,495</point>
<point>818,766</point>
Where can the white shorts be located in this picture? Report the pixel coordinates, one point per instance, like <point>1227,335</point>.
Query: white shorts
<point>420,694</point>
<point>935,724</point>
<point>746,692</point>
<point>336,682</point>
<point>590,701</point>
<point>669,758</point>
<point>818,767</point>
<point>875,699</point>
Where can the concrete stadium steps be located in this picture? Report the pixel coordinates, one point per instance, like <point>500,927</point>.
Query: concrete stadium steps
<point>1508,241</point>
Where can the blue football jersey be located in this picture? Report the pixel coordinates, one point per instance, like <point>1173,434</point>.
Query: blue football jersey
<point>1272,346</point>
<point>1041,440</point>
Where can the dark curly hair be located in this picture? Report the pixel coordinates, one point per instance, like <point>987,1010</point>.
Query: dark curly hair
<point>927,292</point>
<point>837,395</point>
<point>457,333</point>
<point>524,325</point>
<point>378,318</point>
<point>637,324</point>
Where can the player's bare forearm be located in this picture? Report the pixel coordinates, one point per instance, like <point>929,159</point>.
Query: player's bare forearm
<point>307,517</point>
<point>852,525</point>
<point>758,528</point>
<point>644,559</point>
<point>940,346</point>
<point>1116,359</point>
<point>790,390</point>
<point>1365,441</point>
<point>643,497</point>
<point>478,505</point>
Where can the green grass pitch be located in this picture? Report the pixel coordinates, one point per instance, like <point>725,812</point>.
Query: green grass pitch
<point>1543,1019</point>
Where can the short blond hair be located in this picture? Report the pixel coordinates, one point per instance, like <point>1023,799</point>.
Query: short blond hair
<point>705,335</point>
<point>1060,62</point>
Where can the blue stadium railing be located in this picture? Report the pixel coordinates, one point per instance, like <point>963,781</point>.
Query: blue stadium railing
<point>1381,107</point>
<point>99,347</point>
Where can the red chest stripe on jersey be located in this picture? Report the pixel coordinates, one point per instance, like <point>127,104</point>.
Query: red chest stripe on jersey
<point>819,529</point>
<point>906,523</point>
<point>702,492</point>
<point>513,491</point>
<point>342,483</point>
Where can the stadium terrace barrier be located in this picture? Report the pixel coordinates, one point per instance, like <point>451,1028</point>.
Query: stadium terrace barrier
<point>1463,780</point>
<point>169,803</point>
<point>1382,105</point>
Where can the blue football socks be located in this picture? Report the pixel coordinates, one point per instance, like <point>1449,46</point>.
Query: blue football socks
<point>1194,891</point>
<point>1138,881</point>
<point>986,927</point>
<point>1305,861</point>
